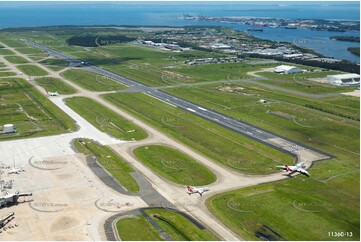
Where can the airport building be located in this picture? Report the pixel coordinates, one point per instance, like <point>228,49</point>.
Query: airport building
<point>172,46</point>
<point>8,128</point>
<point>284,69</point>
<point>221,46</point>
<point>344,79</point>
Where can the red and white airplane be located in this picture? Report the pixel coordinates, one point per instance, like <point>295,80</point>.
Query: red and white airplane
<point>52,93</point>
<point>299,167</point>
<point>191,190</point>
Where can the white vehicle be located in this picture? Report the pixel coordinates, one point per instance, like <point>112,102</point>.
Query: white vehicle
<point>191,190</point>
<point>299,167</point>
<point>52,93</point>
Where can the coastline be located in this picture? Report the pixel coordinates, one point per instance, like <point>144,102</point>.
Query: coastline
<point>319,42</point>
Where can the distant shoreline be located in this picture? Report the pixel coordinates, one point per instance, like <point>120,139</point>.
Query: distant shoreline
<point>297,23</point>
<point>346,38</point>
<point>345,55</point>
<point>354,50</point>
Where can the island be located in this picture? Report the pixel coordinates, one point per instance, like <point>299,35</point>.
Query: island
<point>346,38</point>
<point>354,50</point>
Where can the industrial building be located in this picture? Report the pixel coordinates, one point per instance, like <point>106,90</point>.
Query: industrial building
<point>284,69</point>
<point>172,46</point>
<point>344,79</point>
<point>8,128</point>
<point>219,46</point>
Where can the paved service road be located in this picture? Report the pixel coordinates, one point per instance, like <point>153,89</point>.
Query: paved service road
<point>283,144</point>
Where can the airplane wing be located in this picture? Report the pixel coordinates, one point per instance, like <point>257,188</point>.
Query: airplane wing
<point>304,172</point>
<point>202,190</point>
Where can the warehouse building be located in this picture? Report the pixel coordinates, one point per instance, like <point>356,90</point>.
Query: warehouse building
<point>172,46</point>
<point>221,46</point>
<point>344,79</point>
<point>283,69</point>
<point>8,128</point>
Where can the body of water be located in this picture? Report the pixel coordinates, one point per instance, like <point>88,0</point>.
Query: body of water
<point>30,14</point>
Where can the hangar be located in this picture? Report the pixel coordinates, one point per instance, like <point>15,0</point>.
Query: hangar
<point>344,79</point>
<point>284,69</point>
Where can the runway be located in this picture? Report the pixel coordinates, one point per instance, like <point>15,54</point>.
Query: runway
<point>278,142</point>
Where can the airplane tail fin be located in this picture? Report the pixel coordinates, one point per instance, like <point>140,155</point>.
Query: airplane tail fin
<point>189,188</point>
<point>287,168</point>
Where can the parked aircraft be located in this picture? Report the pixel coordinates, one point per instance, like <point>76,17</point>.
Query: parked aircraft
<point>15,170</point>
<point>52,93</point>
<point>299,167</point>
<point>12,198</point>
<point>191,190</point>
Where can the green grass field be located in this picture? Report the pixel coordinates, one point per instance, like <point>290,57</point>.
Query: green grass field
<point>147,65</point>
<point>174,165</point>
<point>178,227</point>
<point>219,72</point>
<point>32,70</point>
<point>303,82</point>
<point>38,57</point>
<point>222,145</point>
<point>32,114</point>
<point>105,119</point>
<point>115,165</point>
<point>137,229</point>
<point>281,210</point>
<point>55,85</point>
<point>175,225</point>
<point>54,64</point>
<point>7,73</point>
<point>6,52</point>
<point>92,81</point>
<point>16,59</point>
<point>29,51</point>
<point>12,40</point>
